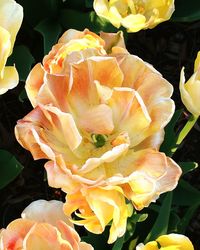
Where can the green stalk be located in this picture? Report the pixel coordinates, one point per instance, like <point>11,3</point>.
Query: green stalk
<point>186,129</point>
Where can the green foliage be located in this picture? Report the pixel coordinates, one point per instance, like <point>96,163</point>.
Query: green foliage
<point>10,168</point>
<point>23,61</point>
<point>186,11</point>
<point>50,30</point>
<point>161,224</point>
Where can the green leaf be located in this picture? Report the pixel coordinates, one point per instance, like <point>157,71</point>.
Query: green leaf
<point>118,244</point>
<point>89,3</point>
<point>182,226</point>
<point>161,224</point>
<point>188,166</point>
<point>98,241</point>
<point>10,168</point>
<point>80,20</point>
<point>50,30</point>
<point>185,194</point>
<point>23,61</point>
<point>23,96</point>
<point>170,136</point>
<point>186,11</point>
<point>34,11</point>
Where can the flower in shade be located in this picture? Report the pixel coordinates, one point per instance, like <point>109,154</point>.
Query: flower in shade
<point>190,91</point>
<point>168,242</point>
<point>99,116</point>
<point>11,15</point>
<point>133,14</point>
<point>42,226</point>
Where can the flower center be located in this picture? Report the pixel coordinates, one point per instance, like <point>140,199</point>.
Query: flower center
<point>99,140</point>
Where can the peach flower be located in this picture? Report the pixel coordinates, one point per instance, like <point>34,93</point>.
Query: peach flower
<point>11,15</point>
<point>133,14</point>
<point>168,242</point>
<point>42,226</point>
<point>99,118</point>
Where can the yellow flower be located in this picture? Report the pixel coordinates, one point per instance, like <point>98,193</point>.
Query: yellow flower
<point>11,15</point>
<point>190,91</point>
<point>99,118</point>
<point>42,226</point>
<point>168,242</point>
<point>135,14</point>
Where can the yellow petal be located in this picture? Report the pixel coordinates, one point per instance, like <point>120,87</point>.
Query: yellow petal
<point>5,46</point>
<point>134,23</point>
<point>11,14</point>
<point>9,80</point>
<point>178,241</point>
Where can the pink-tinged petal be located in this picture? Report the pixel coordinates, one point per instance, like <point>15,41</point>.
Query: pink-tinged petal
<point>44,236</point>
<point>34,83</point>
<point>153,174</point>
<point>12,237</point>
<point>113,40</point>
<point>43,130</point>
<point>75,34</point>
<point>97,120</point>
<point>10,79</point>
<point>54,91</point>
<point>46,211</point>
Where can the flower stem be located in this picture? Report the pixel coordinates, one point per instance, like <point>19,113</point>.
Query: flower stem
<point>186,129</point>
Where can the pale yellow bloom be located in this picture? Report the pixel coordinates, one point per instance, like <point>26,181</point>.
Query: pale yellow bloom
<point>42,226</point>
<point>168,242</point>
<point>11,15</point>
<point>135,14</point>
<point>190,91</point>
<point>99,117</point>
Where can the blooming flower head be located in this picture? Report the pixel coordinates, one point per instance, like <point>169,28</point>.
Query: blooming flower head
<point>134,14</point>
<point>168,242</point>
<point>190,91</point>
<point>11,15</point>
<point>99,116</point>
<point>42,226</point>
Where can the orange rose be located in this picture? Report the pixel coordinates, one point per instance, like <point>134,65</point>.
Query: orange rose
<point>99,118</point>
<point>41,227</point>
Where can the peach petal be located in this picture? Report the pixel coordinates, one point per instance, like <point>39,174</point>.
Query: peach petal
<point>97,120</point>
<point>107,157</point>
<point>12,237</point>
<point>54,91</point>
<point>34,83</point>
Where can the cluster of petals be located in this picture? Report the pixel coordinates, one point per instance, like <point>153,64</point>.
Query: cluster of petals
<point>168,242</point>
<point>134,14</point>
<point>99,116</point>
<point>43,226</point>
<point>11,15</point>
<point>190,91</point>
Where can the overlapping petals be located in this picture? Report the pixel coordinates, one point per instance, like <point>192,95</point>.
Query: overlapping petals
<point>11,18</point>
<point>133,14</point>
<point>42,226</point>
<point>190,91</point>
<point>170,241</point>
<point>99,118</point>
